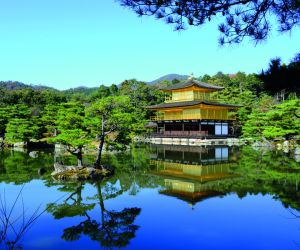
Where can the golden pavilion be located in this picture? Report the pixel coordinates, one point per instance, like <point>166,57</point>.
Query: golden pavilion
<point>191,110</point>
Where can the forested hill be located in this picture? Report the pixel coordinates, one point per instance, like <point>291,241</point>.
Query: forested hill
<point>81,90</point>
<point>169,77</point>
<point>12,86</point>
<point>15,85</point>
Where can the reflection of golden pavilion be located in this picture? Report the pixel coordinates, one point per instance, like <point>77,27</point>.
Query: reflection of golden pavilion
<point>191,174</point>
<point>188,191</point>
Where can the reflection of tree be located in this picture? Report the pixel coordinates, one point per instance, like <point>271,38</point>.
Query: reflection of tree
<point>132,170</point>
<point>72,205</point>
<point>265,172</point>
<point>19,167</point>
<point>114,229</point>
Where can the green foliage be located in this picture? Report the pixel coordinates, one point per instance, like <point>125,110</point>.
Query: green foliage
<point>21,126</point>
<point>48,119</point>
<point>274,120</point>
<point>21,130</point>
<point>113,89</point>
<point>102,92</point>
<point>80,94</point>
<point>4,118</point>
<point>117,114</point>
<point>141,95</point>
<point>28,112</point>
<point>73,138</point>
<point>70,115</point>
<point>260,115</point>
<point>30,96</point>
<point>70,123</point>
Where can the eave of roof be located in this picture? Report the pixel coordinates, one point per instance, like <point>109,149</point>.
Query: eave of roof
<point>222,104</point>
<point>192,82</point>
<point>191,197</point>
<point>190,103</point>
<point>151,125</point>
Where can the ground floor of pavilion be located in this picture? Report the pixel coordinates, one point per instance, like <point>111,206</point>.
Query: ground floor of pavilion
<point>194,128</point>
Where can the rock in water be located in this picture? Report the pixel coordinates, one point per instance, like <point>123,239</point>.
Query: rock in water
<point>20,145</point>
<point>78,173</point>
<point>108,168</point>
<point>59,168</point>
<point>34,154</point>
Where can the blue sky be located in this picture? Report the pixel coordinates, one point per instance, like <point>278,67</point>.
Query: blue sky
<point>69,43</point>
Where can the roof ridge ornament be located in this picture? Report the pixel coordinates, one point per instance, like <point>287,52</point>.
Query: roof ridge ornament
<point>191,77</point>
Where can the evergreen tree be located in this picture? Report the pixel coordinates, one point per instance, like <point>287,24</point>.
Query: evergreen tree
<point>72,130</point>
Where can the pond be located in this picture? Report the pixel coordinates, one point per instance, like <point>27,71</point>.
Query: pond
<point>161,197</point>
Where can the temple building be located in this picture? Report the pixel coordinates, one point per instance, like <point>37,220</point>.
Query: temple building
<point>191,110</point>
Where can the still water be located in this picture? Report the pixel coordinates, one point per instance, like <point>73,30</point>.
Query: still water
<point>161,197</point>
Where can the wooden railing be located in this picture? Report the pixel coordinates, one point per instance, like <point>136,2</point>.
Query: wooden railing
<point>157,118</point>
<point>188,134</point>
<point>194,97</point>
<point>203,116</point>
<point>182,133</point>
<point>168,99</point>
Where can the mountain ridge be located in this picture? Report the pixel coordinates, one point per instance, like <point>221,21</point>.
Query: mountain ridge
<point>16,85</point>
<point>168,77</point>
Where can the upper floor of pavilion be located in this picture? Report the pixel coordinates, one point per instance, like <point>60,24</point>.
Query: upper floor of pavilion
<point>190,90</point>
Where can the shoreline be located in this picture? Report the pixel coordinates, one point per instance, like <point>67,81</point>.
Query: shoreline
<point>284,145</point>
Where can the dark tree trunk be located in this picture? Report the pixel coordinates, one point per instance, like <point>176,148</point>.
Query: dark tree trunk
<point>79,159</point>
<point>101,202</point>
<point>78,154</point>
<point>79,194</point>
<point>97,164</point>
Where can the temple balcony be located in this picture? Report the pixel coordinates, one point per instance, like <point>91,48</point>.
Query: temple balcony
<point>190,134</point>
<point>190,96</point>
<point>203,115</point>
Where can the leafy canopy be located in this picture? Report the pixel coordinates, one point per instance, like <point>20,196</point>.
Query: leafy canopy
<point>72,130</point>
